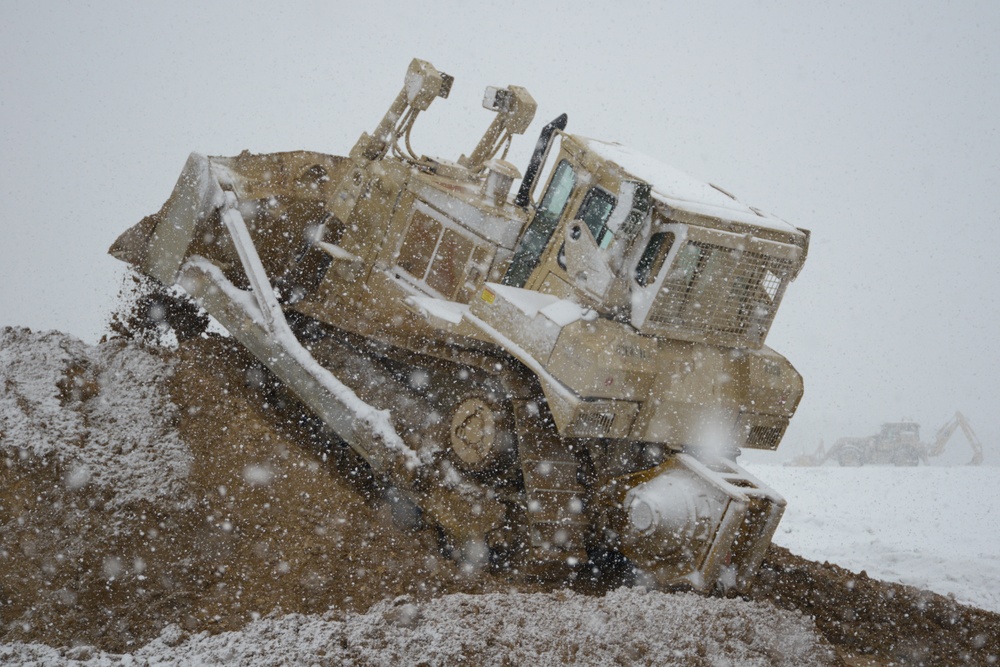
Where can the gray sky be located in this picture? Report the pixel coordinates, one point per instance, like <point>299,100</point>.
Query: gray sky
<point>875,125</point>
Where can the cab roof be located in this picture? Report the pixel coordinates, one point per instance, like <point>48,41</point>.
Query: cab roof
<point>676,190</point>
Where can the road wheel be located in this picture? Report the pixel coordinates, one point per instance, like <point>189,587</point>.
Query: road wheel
<point>480,432</point>
<point>906,456</point>
<point>850,457</point>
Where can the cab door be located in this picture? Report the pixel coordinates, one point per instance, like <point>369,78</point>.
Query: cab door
<point>529,251</point>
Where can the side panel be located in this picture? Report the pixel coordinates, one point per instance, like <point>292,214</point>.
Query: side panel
<point>627,385</point>
<point>439,256</point>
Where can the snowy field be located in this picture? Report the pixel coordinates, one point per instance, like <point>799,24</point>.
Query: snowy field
<point>936,528</point>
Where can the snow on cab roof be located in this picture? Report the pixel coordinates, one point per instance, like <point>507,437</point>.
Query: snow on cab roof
<point>682,192</point>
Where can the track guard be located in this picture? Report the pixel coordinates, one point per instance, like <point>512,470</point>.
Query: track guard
<point>696,525</point>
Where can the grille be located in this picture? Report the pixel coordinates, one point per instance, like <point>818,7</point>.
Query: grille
<point>720,291</point>
<point>759,430</point>
<point>594,424</point>
<point>765,437</point>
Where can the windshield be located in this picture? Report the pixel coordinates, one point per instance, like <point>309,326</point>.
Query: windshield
<point>594,211</point>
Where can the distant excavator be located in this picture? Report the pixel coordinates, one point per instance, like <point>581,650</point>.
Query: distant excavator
<point>897,443</point>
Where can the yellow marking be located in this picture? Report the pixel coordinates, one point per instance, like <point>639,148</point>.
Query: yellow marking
<point>488,296</point>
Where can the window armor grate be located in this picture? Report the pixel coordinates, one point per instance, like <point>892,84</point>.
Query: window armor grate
<point>715,290</point>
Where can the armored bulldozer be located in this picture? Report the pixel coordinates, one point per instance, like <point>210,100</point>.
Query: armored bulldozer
<point>547,377</point>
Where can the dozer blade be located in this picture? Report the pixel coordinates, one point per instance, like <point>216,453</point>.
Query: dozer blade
<point>159,245</point>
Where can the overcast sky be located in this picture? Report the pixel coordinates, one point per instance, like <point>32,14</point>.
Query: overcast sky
<point>874,125</point>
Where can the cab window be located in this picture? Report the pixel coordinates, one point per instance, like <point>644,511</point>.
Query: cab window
<point>555,198</point>
<point>594,211</point>
<point>536,237</point>
<point>653,257</point>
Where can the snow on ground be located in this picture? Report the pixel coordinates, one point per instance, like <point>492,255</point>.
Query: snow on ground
<point>103,411</point>
<point>626,627</point>
<point>930,527</point>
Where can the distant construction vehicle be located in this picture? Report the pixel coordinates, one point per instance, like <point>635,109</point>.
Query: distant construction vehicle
<point>896,443</point>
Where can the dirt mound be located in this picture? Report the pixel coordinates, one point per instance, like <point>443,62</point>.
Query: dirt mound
<point>875,622</point>
<point>209,503</point>
<point>260,522</point>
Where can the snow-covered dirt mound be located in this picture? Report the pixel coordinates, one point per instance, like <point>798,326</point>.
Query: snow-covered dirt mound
<point>102,412</point>
<point>172,506</point>
<point>626,627</point>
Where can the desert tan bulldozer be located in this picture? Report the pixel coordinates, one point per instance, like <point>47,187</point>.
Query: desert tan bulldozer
<point>897,443</point>
<point>546,376</point>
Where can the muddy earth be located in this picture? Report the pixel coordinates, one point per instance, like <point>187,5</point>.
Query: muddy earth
<point>145,487</point>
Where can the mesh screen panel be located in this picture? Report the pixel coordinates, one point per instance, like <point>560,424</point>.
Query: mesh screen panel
<point>718,291</point>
